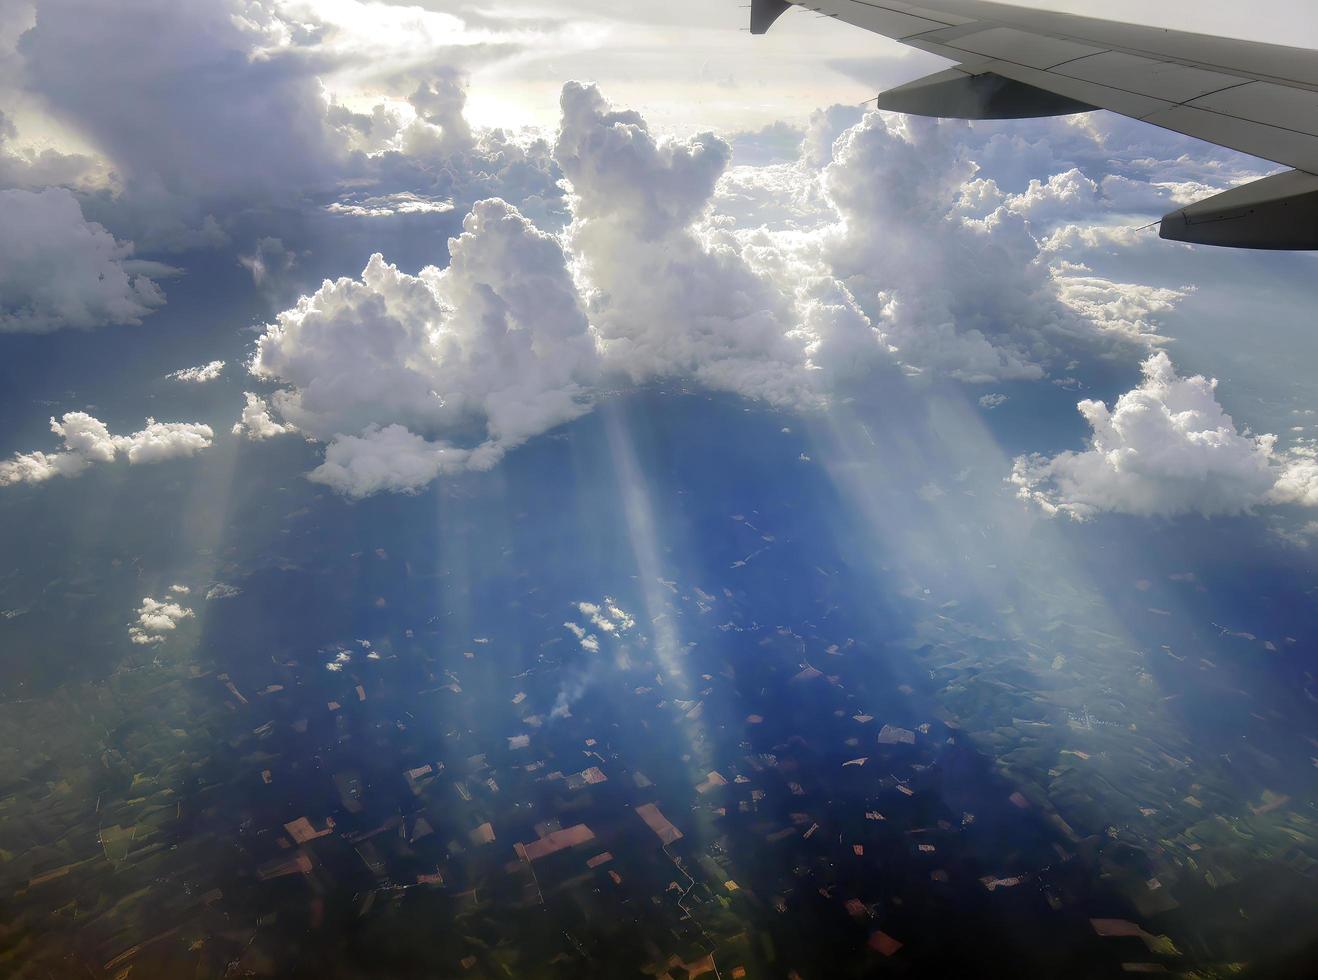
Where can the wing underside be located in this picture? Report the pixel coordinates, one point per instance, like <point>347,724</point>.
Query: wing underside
<point>1014,62</point>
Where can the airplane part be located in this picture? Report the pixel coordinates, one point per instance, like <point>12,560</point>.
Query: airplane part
<point>1017,62</point>
<point>956,94</point>
<point>1277,212</point>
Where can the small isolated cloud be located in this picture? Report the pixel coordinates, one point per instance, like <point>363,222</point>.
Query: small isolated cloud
<point>88,441</point>
<point>1164,449</point>
<point>608,617</point>
<point>59,270</point>
<point>256,423</point>
<point>992,401</point>
<point>268,262</point>
<point>155,618</point>
<point>199,374</point>
<point>222,590</point>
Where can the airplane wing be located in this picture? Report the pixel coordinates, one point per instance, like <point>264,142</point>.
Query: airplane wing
<point>1015,62</point>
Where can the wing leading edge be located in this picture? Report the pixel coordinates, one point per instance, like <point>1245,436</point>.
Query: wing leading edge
<point>1015,62</point>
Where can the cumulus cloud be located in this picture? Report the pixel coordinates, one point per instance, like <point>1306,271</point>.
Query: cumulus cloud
<point>665,300</point>
<point>87,441</point>
<point>256,423</point>
<point>1298,482</point>
<point>59,270</point>
<point>879,246</point>
<point>944,273</point>
<point>155,618</point>
<point>609,617</point>
<point>1165,448</point>
<point>160,441</point>
<point>421,157</point>
<point>408,376</point>
<point>957,294</point>
<point>200,374</point>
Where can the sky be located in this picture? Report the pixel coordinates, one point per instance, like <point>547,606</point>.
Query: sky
<point>612,298</point>
<point>626,198</point>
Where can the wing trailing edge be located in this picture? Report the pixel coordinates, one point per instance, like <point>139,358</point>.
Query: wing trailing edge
<point>1277,212</point>
<point>957,94</point>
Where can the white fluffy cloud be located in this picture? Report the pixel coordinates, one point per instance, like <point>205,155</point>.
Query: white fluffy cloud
<point>880,246</point>
<point>666,299</point>
<point>1164,449</point>
<point>199,374</point>
<point>1298,483</point>
<point>160,441</point>
<point>421,157</point>
<point>256,423</point>
<point>967,295</point>
<point>59,270</point>
<point>88,441</point>
<point>406,376</point>
<point>157,617</point>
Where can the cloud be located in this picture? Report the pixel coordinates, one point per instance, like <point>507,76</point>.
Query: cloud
<point>957,294</point>
<point>944,273</point>
<point>58,270</point>
<point>665,299</point>
<point>88,441</point>
<point>406,377</point>
<point>200,374</point>
<point>1166,448</point>
<point>155,618</point>
<point>609,617</point>
<point>1298,482</point>
<point>269,262</point>
<point>388,205</point>
<point>622,174</point>
<point>33,169</point>
<point>392,459</point>
<point>198,104</point>
<point>256,423</point>
<point>882,246</point>
<point>160,441</point>
<point>421,158</point>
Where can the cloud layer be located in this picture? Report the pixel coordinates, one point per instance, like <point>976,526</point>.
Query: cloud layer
<point>879,248</point>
